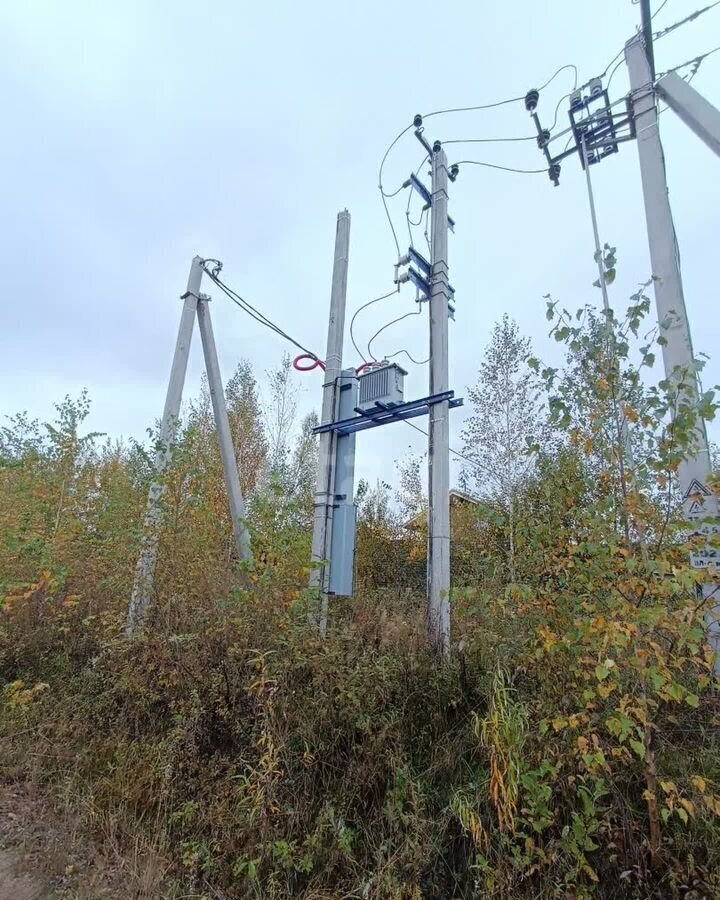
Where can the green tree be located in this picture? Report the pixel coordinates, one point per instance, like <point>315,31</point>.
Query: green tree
<point>506,414</point>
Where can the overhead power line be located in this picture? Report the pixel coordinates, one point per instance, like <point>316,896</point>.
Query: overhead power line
<point>697,61</point>
<point>251,310</point>
<point>477,162</point>
<point>685,21</point>
<point>501,140</point>
<point>385,196</point>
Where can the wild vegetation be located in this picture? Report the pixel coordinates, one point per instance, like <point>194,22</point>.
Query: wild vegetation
<point>567,749</point>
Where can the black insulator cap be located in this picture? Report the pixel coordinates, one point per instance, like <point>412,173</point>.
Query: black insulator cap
<point>543,138</point>
<point>454,170</point>
<point>554,173</point>
<point>531,100</point>
<point>417,121</point>
<point>437,146</point>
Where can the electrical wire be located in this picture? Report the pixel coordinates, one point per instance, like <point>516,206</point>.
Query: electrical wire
<point>415,362</point>
<point>393,322</point>
<point>697,61</point>
<point>504,140</point>
<point>561,69</point>
<point>557,109</point>
<point>439,112</point>
<point>386,196</point>
<point>457,109</point>
<point>477,162</point>
<point>252,311</point>
<point>457,453</point>
<point>383,194</point>
<point>359,310</point>
<point>407,209</point>
<point>685,21</point>
<point>610,77</point>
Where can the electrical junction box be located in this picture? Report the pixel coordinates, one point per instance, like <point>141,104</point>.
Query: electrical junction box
<point>381,386</point>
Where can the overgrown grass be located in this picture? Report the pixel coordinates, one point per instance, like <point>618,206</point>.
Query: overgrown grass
<point>269,763</point>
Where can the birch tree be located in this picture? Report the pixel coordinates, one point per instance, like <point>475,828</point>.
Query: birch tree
<point>506,416</point>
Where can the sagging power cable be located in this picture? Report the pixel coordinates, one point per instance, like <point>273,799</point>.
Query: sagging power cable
<point>252,311</point>
<point>395,290</point>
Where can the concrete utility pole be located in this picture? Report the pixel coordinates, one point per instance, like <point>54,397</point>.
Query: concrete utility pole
<point>670,302</point>
<point>694,110</point>
<point>194,302</point>
<point>699,501</point>
<point>438,589</point>
<point>222,426</point>
<point>324,491</point>
<point>145,568</point>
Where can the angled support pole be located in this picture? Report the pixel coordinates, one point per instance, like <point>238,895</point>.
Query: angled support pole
<point>193,302</point>
<point>700,504</point>
<point>145,568</point>
<point>222,427</point>
<point>696,112</point>
<point>324,499</point>
<point>672,316</point>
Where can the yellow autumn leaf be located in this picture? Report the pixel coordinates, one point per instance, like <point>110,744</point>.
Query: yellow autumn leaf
<point>688,804</point>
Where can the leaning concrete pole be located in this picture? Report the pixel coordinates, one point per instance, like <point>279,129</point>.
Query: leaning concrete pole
<point>438,574</point>
<point>224,435</point>
<point>324,492</point>
<point>678,357</point>
<point>145,568</point>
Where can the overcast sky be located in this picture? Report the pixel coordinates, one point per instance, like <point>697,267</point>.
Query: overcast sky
<point>140,133</point>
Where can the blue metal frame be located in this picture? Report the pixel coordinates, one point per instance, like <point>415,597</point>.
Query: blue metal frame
<point>420,283</point>
<point>415,182</point>
<point>419,261</point>
<point>384,414</point>
<point>421,189</point>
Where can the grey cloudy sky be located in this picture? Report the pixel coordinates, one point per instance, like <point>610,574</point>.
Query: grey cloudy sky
<point>140,133</point>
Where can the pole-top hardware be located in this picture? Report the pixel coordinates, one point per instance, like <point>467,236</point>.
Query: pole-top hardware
<point>454,171</point>
<point>554,173</point>
<point>417,121</point>
<point>423,140</point>
<point>531,100</point>
<point>437,147</point>
<point>543,139</point>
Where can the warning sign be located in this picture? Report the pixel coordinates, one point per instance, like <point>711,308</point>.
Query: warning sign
<point>697,489</point>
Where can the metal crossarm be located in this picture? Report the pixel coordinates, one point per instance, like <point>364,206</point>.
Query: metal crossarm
<point>383,414</point>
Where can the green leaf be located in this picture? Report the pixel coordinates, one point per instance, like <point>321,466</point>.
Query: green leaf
<point>692,700</point>
<point>638,747</point>
<point>601,672</point>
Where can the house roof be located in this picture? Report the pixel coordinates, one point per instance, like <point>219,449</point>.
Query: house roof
<point>456,496</point>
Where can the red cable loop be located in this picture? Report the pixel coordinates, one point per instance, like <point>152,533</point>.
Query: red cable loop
<point>315,363</point>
